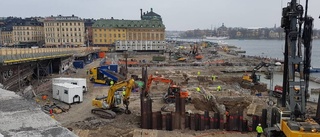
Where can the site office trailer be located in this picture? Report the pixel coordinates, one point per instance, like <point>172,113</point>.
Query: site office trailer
<point>67,92</point>
<point>82,82</point>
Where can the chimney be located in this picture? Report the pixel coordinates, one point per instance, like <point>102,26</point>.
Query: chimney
<point>72,15</point>
<point>151,10</point>
<point>147,12</point>
<point>112,18</point>
<point>141,13</point>
<point>144,13</point>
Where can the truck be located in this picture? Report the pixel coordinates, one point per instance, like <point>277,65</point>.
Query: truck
<point>103,75</point>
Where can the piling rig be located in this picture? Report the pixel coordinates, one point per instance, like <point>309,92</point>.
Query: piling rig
<point>289,117</point>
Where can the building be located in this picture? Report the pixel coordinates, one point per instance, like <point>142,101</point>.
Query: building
<point>6,36</point>
<point>28,32</point>
<point>64,31</point>
<point>149,28</point>
<point>88,31</point>
<point>21,32</point>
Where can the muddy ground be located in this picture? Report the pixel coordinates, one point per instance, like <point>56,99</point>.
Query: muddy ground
<point>235,96</point>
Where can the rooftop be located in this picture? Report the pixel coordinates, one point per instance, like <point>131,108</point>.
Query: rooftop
<point>116,23</point>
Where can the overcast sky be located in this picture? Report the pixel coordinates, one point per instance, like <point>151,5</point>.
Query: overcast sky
<point>176,14</point>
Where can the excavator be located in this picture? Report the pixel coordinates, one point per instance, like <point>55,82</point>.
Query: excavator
<point>169,97</point>
<point>254,78</point>
<point>289,117</point>
<point>107,107</point>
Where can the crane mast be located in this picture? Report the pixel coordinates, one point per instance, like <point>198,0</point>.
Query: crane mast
<point>294,60</point>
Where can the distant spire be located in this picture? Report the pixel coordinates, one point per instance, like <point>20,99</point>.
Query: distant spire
<point>141,13</point>
<point>151,9</point>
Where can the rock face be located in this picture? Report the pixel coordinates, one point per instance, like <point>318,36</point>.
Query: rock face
<point>19,117</point>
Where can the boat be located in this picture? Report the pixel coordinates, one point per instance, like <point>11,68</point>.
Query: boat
<point>216,38</point>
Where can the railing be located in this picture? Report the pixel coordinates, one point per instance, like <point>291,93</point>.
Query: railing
<point>17,55</point>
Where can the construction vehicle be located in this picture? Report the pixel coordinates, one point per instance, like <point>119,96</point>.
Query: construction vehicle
<point>254,78</point>
<point>169,97</point>
<point>107,107</point>
<point>103,75</point>
<point>289,118</point>
<point>277,91</point>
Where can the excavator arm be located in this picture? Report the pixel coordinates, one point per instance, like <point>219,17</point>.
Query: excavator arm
<point>158,79</point>
<point>254,77</point>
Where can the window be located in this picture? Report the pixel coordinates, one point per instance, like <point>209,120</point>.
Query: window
<point>66,29</point>
<point>75,24</point>
<point>70,29</point>
<point>79,29</point>
<point>62,24</point>
<point>119,35</point>
<point>100,35</point>
<point>65,91</point>
<point>100,40</point>
<point>70,24</point>
<point>79,24</point>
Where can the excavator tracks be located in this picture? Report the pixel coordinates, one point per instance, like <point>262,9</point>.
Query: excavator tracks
<point>106,114</point>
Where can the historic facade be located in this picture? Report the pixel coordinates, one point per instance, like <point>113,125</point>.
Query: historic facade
<point>29,31</point>
<point>149,28</point>
<point>64,31</point>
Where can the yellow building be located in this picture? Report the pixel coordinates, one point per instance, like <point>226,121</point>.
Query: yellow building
<point>64,31</point>
<point>149,28</point>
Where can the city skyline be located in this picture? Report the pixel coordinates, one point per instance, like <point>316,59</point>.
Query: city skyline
<point>177,14</point>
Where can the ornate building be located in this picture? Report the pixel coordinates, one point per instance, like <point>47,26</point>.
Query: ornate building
<point>149,28</point>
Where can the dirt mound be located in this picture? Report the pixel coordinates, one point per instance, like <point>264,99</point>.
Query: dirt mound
<point>91,123</point>
<point>234,104</point>
<point>232,80</point>
<point>202,105</point>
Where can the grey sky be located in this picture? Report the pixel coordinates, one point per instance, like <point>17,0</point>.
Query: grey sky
<point>176,14</point>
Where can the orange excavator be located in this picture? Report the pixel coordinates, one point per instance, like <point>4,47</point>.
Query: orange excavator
<point>195,52</point>
<point>169,97</point>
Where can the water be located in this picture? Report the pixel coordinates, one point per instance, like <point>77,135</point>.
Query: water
<point>274,49</point>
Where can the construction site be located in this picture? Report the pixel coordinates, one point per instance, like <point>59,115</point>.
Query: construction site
<point>192,90</point>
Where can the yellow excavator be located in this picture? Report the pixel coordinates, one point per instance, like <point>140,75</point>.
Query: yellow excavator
<point>107,107</point>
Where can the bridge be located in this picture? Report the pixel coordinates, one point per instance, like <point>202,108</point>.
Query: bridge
<point>21,55</point>
<point>19,65</point>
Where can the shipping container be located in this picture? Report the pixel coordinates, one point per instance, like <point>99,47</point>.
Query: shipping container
<point>82,82</point>
<point>78,64</point>
<point>102,54</point>
<point>67,93</point>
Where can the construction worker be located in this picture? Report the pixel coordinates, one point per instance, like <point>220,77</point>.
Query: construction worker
<point>111,83</point>
<point>123,93</point>
<point>213,77</point>
<point>259,130</point>
<point>219,88</point>
<point>198,89</point>
<point>198,73</point>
